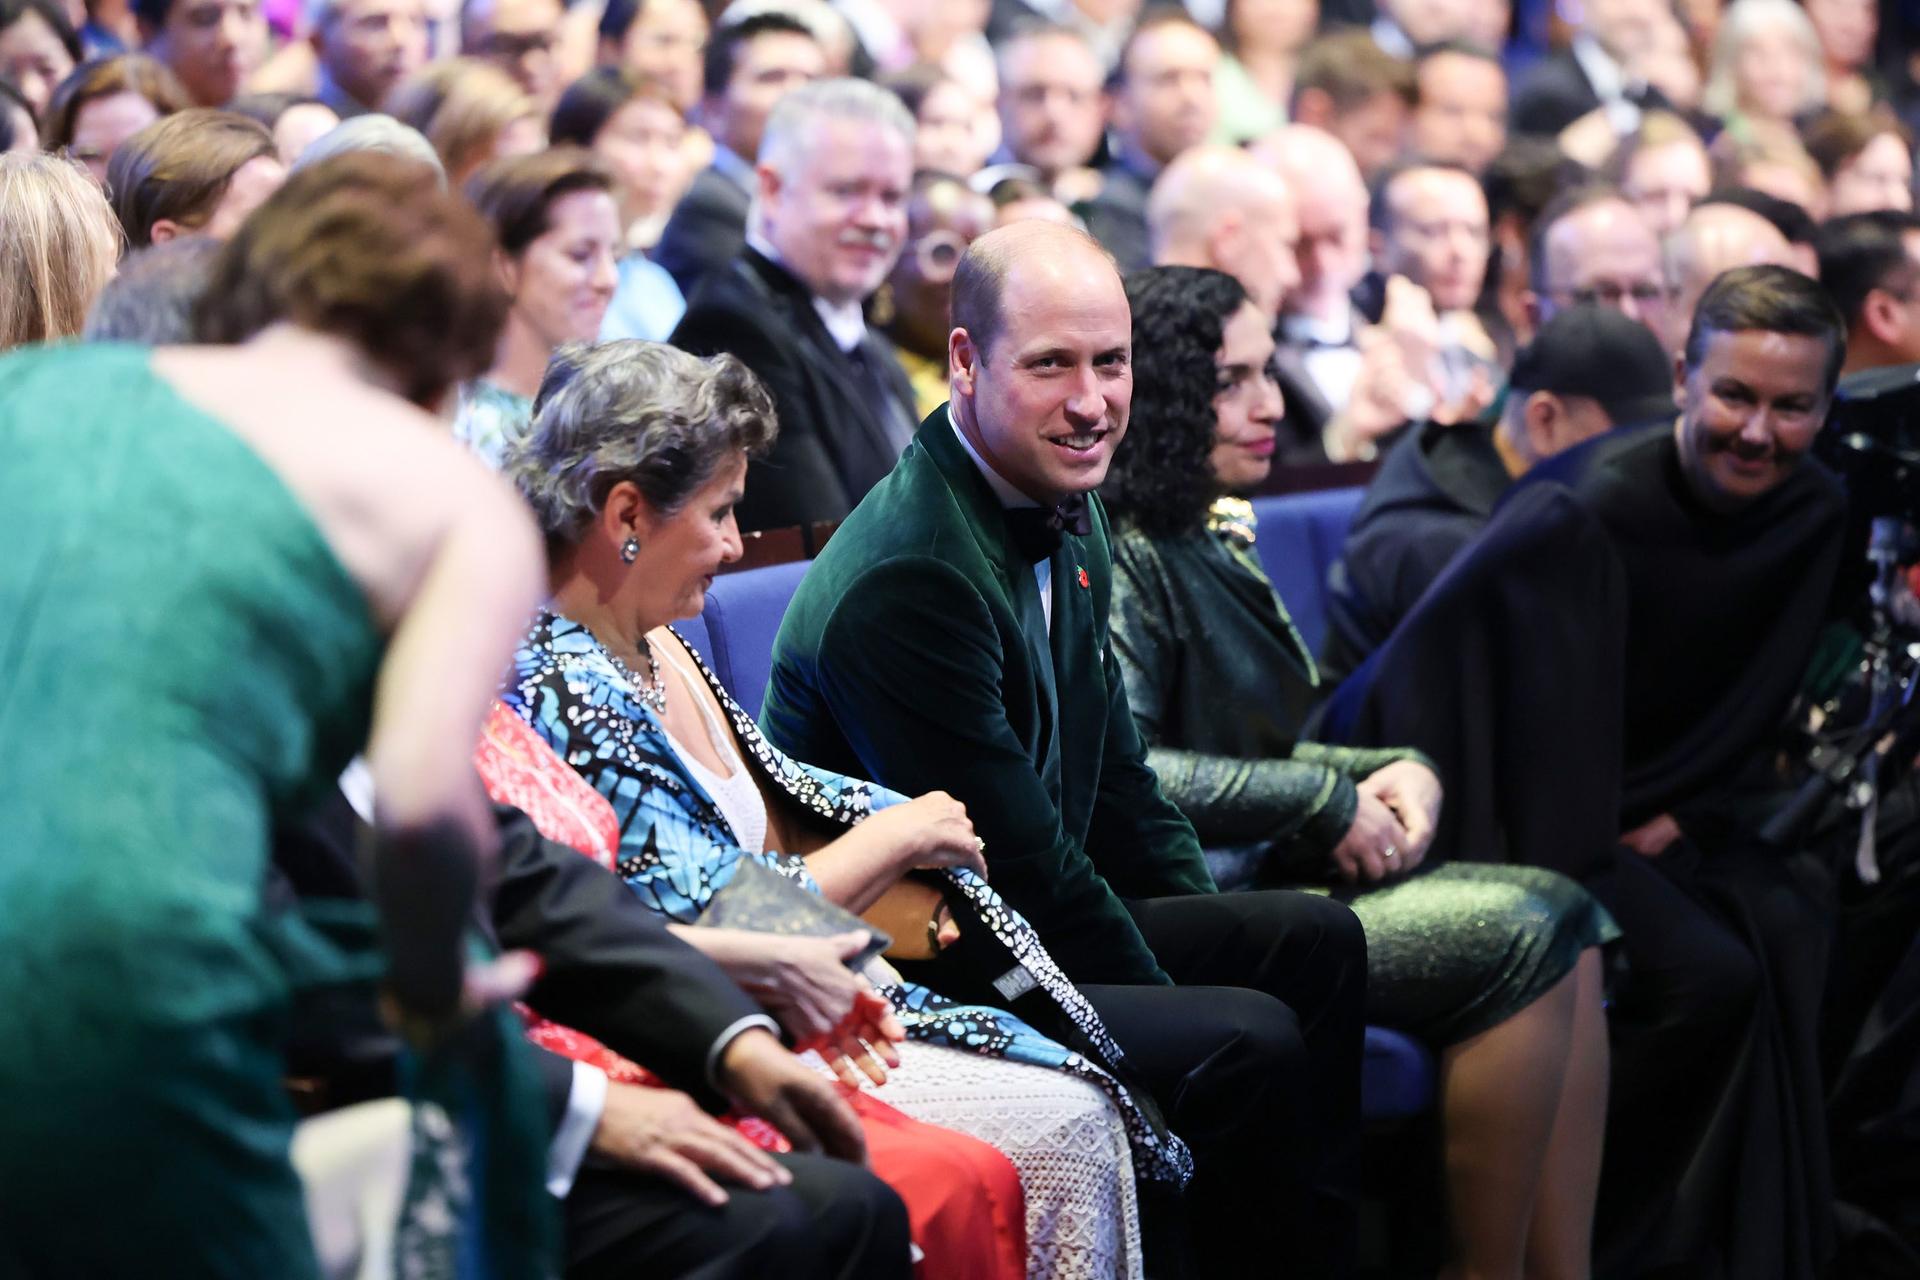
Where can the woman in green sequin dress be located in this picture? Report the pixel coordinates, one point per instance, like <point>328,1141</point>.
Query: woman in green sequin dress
<point>1496,967</point>
<point>226,570</point>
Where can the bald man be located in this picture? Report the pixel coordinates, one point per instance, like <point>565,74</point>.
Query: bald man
<point>1713,239</point>
<point>1219,207</point>
<point>1319,325</point>
<point>953,636</point>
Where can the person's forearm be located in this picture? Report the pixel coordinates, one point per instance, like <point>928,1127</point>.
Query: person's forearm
<point>854,870</point>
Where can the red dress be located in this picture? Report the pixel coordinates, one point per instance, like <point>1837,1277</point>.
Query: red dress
<point>963,1197</point>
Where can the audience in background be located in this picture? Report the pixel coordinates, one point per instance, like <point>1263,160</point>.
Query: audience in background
<point>1347,85</point>
<point>749,66</point>
<point>661,40</point>
<point>19,128</point>
<point>1260,44</point>
<point>212,45</point>
<point>944,216</point>
<point>1663,168</point>
<point>1867,161</point>
<point>1592,247</point>
<point>38,49</point>
<point>296,119</point>
<point>1767,66</point>
<point>150,300</point>
<point>472,112</point>
<point>195,172</point>
<point>1459,106</point>
<point>373,132</point>
<point>522,38</point>
<point>1847,30</point>
<point>558,228</point>
<point>104,103</point>
<point>1052,116</point>
<point>952,134</point>
<point>1602,69</point>
<point>365,49</point>
<point>1870,266</point>
<point>1162,103</point>
<point>829,220</point>
<point>58,246</point>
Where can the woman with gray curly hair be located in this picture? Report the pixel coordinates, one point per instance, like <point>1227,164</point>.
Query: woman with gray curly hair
<point>635,459</point>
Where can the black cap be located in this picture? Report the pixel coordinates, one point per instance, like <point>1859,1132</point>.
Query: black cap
<point>1597,352</point>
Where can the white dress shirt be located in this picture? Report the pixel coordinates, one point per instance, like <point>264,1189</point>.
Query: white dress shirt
<point>1010,498</point>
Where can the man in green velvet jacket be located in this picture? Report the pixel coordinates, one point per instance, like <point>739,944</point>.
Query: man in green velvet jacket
<point>953,636</point>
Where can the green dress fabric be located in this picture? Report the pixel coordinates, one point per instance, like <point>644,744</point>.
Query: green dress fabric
<point>181,659</point>
<point>1220,681</point>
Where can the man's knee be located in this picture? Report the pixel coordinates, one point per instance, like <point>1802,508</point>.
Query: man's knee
<point>1315,942</point>
<point>836,1219</point>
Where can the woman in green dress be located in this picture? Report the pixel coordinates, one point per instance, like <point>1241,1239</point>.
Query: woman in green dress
<point>1496,967</point>
<point>226,570</point>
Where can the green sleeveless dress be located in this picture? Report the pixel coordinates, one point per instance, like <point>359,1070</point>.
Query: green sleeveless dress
<point>181,659</point>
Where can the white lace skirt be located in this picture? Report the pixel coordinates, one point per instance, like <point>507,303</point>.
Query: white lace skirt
<point>1062,1134</point>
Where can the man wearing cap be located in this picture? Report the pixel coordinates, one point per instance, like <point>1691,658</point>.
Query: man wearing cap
<point>1600,676</point>
<point>1589,369</point>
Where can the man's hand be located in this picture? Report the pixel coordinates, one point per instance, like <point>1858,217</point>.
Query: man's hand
<point>665,1133</point>
<point>1654,837</point>
<point>761,1078</point>
<point>1361,857</point>
<point>1412,791</point>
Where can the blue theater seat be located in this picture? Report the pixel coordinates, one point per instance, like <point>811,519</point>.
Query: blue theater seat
<point>1300,537</point>
<point>735,637</point>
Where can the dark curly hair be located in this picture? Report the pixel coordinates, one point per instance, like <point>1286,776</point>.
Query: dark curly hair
<point>1161,481</point>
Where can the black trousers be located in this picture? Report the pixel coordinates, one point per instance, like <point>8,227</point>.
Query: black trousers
<point>1255,1059</point>
<point>835,1221</point>
<point>1716,1161</point>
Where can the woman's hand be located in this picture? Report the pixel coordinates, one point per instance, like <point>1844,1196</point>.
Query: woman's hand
<point>806,985</point>
<point>929,833</point>
<point>1412,791</point>
<point>1653,837</point>
<point>1361,857</point>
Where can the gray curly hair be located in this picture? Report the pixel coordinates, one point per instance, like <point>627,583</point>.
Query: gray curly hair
<point>639,411</point>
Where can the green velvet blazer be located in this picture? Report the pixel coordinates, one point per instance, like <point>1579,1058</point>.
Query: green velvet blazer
<point>916,654</point>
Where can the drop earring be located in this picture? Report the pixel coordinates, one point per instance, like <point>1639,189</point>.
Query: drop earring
<point>630,550</point>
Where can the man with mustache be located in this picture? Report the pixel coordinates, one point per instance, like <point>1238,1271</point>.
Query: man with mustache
<point>828,220</point>
<point>953,634</point>
<point>1600,677</point>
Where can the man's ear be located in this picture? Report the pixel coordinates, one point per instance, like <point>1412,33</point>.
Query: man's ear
<point>507,271</point>
<point>165,230</point>
<point>1680,381</point>
<point>1227,240</point>
<point>962,363</point>
<point>1879,317</point>
<point>1542,414</point>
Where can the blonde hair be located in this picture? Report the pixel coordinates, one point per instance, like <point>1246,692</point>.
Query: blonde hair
<point>1744,19</point>
<point>58,246</point>
<point>462,105</point>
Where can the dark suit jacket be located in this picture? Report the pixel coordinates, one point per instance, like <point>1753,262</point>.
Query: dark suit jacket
<point>612,969</point>
<point>706,230</point>
<point>1303,429</point>
<point>1117,217</point>
<point>834,443</point>
<point>1554,93</point>
<point>915,653</point>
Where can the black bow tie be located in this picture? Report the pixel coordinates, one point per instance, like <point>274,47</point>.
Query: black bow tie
<point>1037,531</point>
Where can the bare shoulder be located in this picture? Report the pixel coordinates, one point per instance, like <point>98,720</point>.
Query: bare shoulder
<point>384,482</point>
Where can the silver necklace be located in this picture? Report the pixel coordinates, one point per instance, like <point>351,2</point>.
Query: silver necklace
<point>652,691</point>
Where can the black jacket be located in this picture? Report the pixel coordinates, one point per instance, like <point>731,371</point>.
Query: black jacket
<point>1434,492</point>
<point>837,436</point>
<point>705,231</point>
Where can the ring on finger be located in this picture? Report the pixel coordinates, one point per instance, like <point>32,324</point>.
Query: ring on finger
<point>1389,853</point>
<point>979,844</point>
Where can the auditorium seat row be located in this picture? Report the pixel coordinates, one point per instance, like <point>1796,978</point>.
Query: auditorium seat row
<point>1300,534</point>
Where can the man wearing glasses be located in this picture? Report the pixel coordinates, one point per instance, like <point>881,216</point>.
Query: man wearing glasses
<point>1593,246</point>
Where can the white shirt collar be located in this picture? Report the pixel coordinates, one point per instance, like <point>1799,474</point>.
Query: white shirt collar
<point>1008,495</point>
<point>846,322</point>
<point>1333,331</point>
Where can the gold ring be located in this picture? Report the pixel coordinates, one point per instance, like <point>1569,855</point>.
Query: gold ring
<point>979,845</point>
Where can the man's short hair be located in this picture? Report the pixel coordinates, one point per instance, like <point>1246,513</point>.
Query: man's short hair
<point>797,112</point>
<point>1028,28</point>
<point>981,279</point>
<point>1862,252</point>
<point>1380,209</point>
<point>1788,218</point>
<point>1461,48</point>
<point>1769,299</point>
<point>1838,137</point>
<point>723,47</point>
<point>1561,207</point>
<point>1157,18</point>
<point>1351,70</point>
<point>151,300</point>
<point>372,132</point>
<point>1657,129</point>
<point>179,166</point>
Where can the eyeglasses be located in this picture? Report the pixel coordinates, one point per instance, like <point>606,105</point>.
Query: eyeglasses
<point>938,254</point>
<point>1608,294</point>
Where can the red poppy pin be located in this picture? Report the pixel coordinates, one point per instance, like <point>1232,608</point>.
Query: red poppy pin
<point>1083,576</point>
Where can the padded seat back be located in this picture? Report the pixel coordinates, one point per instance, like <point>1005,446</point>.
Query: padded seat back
<point>1300,537</point>
<point>741,619</point>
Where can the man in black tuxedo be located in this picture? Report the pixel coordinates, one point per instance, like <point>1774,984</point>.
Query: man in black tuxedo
<point>749,65</point>
<point>1596,70</point>
<point>613,971</point>
<point>829,219</point>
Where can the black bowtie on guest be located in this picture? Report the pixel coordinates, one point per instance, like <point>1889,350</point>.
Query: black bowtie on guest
<point>1038,531</point>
